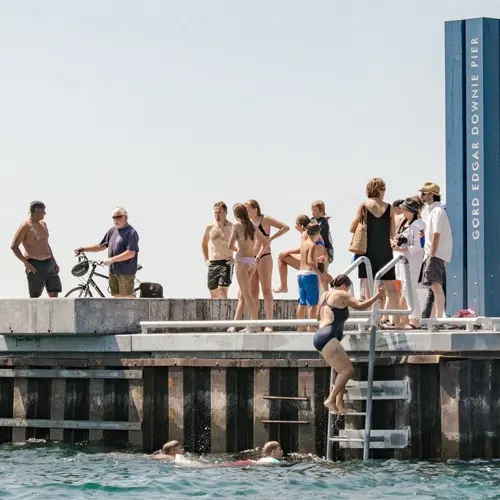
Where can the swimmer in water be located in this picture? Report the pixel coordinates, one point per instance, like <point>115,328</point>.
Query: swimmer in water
<point>272,454</point>
<point>169,451</point>
<point>332,315</point>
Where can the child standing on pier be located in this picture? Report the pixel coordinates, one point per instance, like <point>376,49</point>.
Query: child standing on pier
<point>311,257</point>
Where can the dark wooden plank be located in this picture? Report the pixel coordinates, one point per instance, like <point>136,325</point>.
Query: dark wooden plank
<point>197,410</point>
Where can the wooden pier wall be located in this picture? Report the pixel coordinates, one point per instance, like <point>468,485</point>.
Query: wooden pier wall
<point>452,410</point>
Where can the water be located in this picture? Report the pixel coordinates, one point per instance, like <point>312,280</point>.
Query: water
<point>78,472</point>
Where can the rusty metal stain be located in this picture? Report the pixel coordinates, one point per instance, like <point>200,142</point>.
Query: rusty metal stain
<point>171,415</point>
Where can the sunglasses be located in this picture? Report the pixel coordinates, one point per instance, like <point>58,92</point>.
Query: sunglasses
<point>114,217</point>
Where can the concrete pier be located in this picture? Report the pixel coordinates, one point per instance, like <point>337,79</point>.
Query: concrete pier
<point>79,369</point>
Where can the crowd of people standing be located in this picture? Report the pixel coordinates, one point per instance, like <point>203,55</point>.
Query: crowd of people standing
<point>416,227</point>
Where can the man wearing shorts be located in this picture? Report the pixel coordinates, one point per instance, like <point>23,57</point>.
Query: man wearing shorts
<point>122,242</point>
<point>42,270</point>
<point>217,254</point>
<point>438,244</point>
<point>308,275</point>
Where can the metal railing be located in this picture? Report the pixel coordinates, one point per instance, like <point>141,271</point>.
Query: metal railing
<point>147,326</point>
<point>375,313</point>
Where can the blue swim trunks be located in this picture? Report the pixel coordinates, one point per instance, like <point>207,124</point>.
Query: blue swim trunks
<point>308,288</point>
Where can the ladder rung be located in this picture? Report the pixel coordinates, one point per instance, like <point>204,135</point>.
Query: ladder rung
<point>384,439</point>
<point>345,439</point>
<point>350,414</point>
<point>286,398</point>
<point>285,422</point>
<point>382,389</point>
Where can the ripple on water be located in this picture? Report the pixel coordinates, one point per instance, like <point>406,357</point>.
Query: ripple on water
<point>40,471</point>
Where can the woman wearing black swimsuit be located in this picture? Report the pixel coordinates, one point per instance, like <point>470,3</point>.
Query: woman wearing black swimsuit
<point>332,315</point>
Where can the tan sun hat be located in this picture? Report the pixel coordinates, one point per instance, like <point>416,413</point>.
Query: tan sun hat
<point>430,187</point>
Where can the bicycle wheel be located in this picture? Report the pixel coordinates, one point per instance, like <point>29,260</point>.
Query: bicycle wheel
<point>79,291</point>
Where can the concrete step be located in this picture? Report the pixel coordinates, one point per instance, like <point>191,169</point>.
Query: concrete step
<point>380,439</point>
<point>382,389</point>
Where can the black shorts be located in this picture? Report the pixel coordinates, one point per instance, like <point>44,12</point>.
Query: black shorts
<point>45,277</point>
<point>220,273</point>
<point>434,271</point>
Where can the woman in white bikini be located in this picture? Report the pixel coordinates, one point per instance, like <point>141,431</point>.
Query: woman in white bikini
<point>264,274</point>
<point>246,261</point>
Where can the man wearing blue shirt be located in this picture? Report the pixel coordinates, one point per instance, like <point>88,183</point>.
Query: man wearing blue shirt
<point>122,242</point>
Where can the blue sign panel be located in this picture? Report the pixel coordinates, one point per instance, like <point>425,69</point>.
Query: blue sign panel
<point>456,276</point>
<point>473,163</point>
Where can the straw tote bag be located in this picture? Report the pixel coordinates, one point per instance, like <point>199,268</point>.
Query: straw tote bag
<point>359,242</point>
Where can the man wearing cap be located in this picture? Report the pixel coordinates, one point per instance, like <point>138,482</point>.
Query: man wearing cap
<point>42,270</point>
<point>122,242</point>
<point>438,244</point>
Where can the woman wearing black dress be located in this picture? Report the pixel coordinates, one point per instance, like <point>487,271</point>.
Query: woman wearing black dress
<point>381,229</point>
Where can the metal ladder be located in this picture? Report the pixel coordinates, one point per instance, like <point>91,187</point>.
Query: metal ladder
<point>369,390</point>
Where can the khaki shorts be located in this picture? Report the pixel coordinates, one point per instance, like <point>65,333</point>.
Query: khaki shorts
<point>121,284</point>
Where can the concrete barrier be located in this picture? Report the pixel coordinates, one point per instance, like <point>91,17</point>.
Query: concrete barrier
<point>113,316</point>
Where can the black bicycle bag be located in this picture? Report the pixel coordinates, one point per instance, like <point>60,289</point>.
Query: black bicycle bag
<point>151,291</point>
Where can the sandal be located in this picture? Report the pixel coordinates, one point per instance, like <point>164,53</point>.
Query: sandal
<point>411,326</point>
<point>387,326</point>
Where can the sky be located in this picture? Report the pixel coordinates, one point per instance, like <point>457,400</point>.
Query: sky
<point>167,106</point>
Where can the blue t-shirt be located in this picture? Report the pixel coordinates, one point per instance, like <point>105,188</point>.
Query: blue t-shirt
<point>118,241</point>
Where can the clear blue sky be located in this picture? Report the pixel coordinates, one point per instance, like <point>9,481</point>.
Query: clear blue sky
<point>167,106</point>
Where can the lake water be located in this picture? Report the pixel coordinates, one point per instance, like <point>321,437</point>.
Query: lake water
<point>43,471</point>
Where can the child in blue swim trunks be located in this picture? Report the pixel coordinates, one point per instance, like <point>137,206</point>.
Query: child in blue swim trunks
<point>311,256</point>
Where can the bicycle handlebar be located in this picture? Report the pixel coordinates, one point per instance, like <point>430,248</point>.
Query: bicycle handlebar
<point>81,256</point>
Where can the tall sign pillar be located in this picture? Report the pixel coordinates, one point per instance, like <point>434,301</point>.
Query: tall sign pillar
<point>473,164</point>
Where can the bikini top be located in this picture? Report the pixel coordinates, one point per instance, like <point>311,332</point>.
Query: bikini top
<point>261,227</point>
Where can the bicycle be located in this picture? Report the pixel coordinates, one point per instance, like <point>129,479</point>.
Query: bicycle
<point>84,288</point>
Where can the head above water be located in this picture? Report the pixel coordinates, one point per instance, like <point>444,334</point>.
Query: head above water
<point>241,215</point>
<point>120,217</point>
<point>253,208</point>
<point>172,448</point>
<point>220,210</point>
<point>318,208</point>
<point>301,222</point>
<point>375,188</point>
<point>273,449</point>
<point>341,281</point>
<point>37,210</point>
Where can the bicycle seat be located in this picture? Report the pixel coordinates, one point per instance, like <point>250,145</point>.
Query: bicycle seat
<point>139,267</point>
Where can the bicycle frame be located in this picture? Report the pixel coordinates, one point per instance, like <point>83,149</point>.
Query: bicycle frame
<point>89,281</point>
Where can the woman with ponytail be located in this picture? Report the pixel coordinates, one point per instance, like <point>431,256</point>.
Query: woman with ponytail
<point>245,235</point>
<point>332,315</point>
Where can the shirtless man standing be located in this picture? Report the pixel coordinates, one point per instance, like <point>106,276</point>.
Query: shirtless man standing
<point>217,254</point>
<point>42,270</point>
